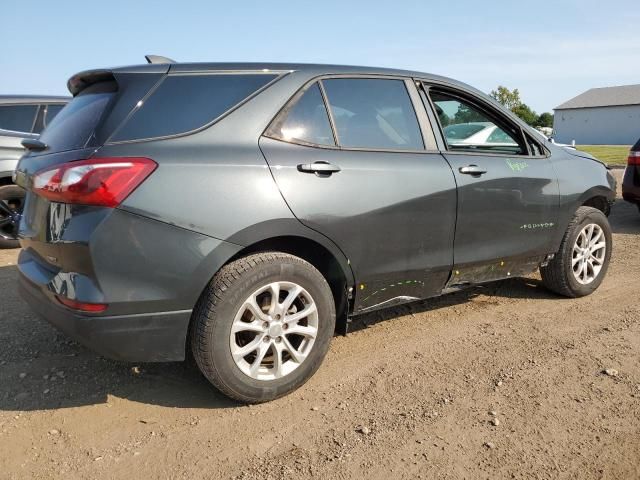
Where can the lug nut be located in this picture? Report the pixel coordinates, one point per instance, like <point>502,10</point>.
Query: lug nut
<point>285,326</point>
<point>265,325</point>
<point>278,316</point>
<point>278,339</point>
<point>267,339</point>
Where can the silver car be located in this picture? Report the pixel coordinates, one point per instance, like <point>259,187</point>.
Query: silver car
<point>21,117</point>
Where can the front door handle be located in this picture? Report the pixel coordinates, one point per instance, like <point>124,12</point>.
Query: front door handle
<point>323,168</point>
<point>474,170</point>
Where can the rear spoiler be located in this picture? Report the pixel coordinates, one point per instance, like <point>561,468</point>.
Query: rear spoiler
<point>82,80</point>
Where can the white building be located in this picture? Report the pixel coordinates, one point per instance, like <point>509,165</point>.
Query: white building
<point>600,116</point>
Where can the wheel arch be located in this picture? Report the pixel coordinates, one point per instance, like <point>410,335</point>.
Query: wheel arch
<point>288,236</point>
<point>337,273</point>
<point>598,201</point>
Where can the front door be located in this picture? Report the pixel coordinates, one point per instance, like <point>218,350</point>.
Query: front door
<point>507,191</point>
<point>359,173</point>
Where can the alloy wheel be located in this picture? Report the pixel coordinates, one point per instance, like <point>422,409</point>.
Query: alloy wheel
<point>10,210</point>
<point>588,254</point>
<point>274,331</point>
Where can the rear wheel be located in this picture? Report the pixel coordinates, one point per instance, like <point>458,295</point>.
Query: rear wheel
<point>263,326</point>
<point>11,203</point>
<point>582,262</point>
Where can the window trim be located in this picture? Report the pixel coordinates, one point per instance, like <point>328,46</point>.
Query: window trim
<point>320,78</point>
<point>428,134</point>
<point>495,115</point>
<point>42,110</point>
<point>332,120</point>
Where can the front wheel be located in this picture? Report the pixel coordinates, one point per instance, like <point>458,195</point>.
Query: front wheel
<point>263,326</point>
<point>11,202</point>
<point>583,259</point>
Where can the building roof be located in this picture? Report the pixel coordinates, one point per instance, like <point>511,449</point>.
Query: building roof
<point>604,97</point>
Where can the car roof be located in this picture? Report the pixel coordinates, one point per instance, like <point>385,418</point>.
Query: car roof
<point>17,99</point>
<point>77,81</point>
<point>310,68</point>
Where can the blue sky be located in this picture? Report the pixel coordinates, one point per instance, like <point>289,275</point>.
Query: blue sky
<point>550,51</point>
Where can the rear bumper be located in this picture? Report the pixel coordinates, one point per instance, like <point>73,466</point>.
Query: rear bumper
<point>148,337</point>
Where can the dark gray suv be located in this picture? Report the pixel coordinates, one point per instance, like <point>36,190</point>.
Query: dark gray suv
<point>245,212</point>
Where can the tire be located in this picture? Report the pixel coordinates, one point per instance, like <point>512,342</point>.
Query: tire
<point>13,197</point>
<point>558,276</point>
<point>220,308</point>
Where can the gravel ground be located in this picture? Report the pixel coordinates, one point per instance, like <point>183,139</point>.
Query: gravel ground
<point>502,381</point>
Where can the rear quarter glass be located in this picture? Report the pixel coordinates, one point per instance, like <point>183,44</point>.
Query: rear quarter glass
<point>636,147</point>
<point>183,103</point>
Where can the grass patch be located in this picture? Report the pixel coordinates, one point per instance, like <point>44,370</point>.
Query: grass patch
<point>613,154</point>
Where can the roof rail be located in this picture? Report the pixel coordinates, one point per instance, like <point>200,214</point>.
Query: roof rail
<point>158,59</point>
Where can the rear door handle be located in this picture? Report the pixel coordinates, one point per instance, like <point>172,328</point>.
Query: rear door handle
<point>319,167</point>
<point>474,170</point>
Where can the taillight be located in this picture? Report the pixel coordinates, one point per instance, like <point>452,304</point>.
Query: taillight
<point>105,182</point>
<point>82,306</point>
<point>634,158</point>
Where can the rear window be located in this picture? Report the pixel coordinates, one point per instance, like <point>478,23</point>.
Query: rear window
<point>17,118</point>
<point>183,103</point>
<point>636,147</point>
<point>74,125</point>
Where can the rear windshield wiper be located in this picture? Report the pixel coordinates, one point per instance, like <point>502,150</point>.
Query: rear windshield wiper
<point>33,144</point>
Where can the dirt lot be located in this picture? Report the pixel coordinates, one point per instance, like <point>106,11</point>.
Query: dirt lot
<point>504,381</point>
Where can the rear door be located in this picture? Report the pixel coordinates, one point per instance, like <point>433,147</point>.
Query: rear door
<point>352,161</point>
<point>507,189</point>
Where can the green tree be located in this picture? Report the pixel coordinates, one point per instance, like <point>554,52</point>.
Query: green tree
<point>511,100</point>
<point>525,113</point>
<point>506,97</point>
<point>545,120</point>
<point>466,115</point>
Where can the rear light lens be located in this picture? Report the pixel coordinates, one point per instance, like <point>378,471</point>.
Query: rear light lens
<point>105,182</point>
<point>634,158</point>
<point>82,306</point>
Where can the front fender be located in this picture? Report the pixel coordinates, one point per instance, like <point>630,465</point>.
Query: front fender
<point>580,179</point>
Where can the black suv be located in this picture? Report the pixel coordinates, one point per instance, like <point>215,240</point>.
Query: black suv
<point>631,180</point>
<point>245,212</point>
